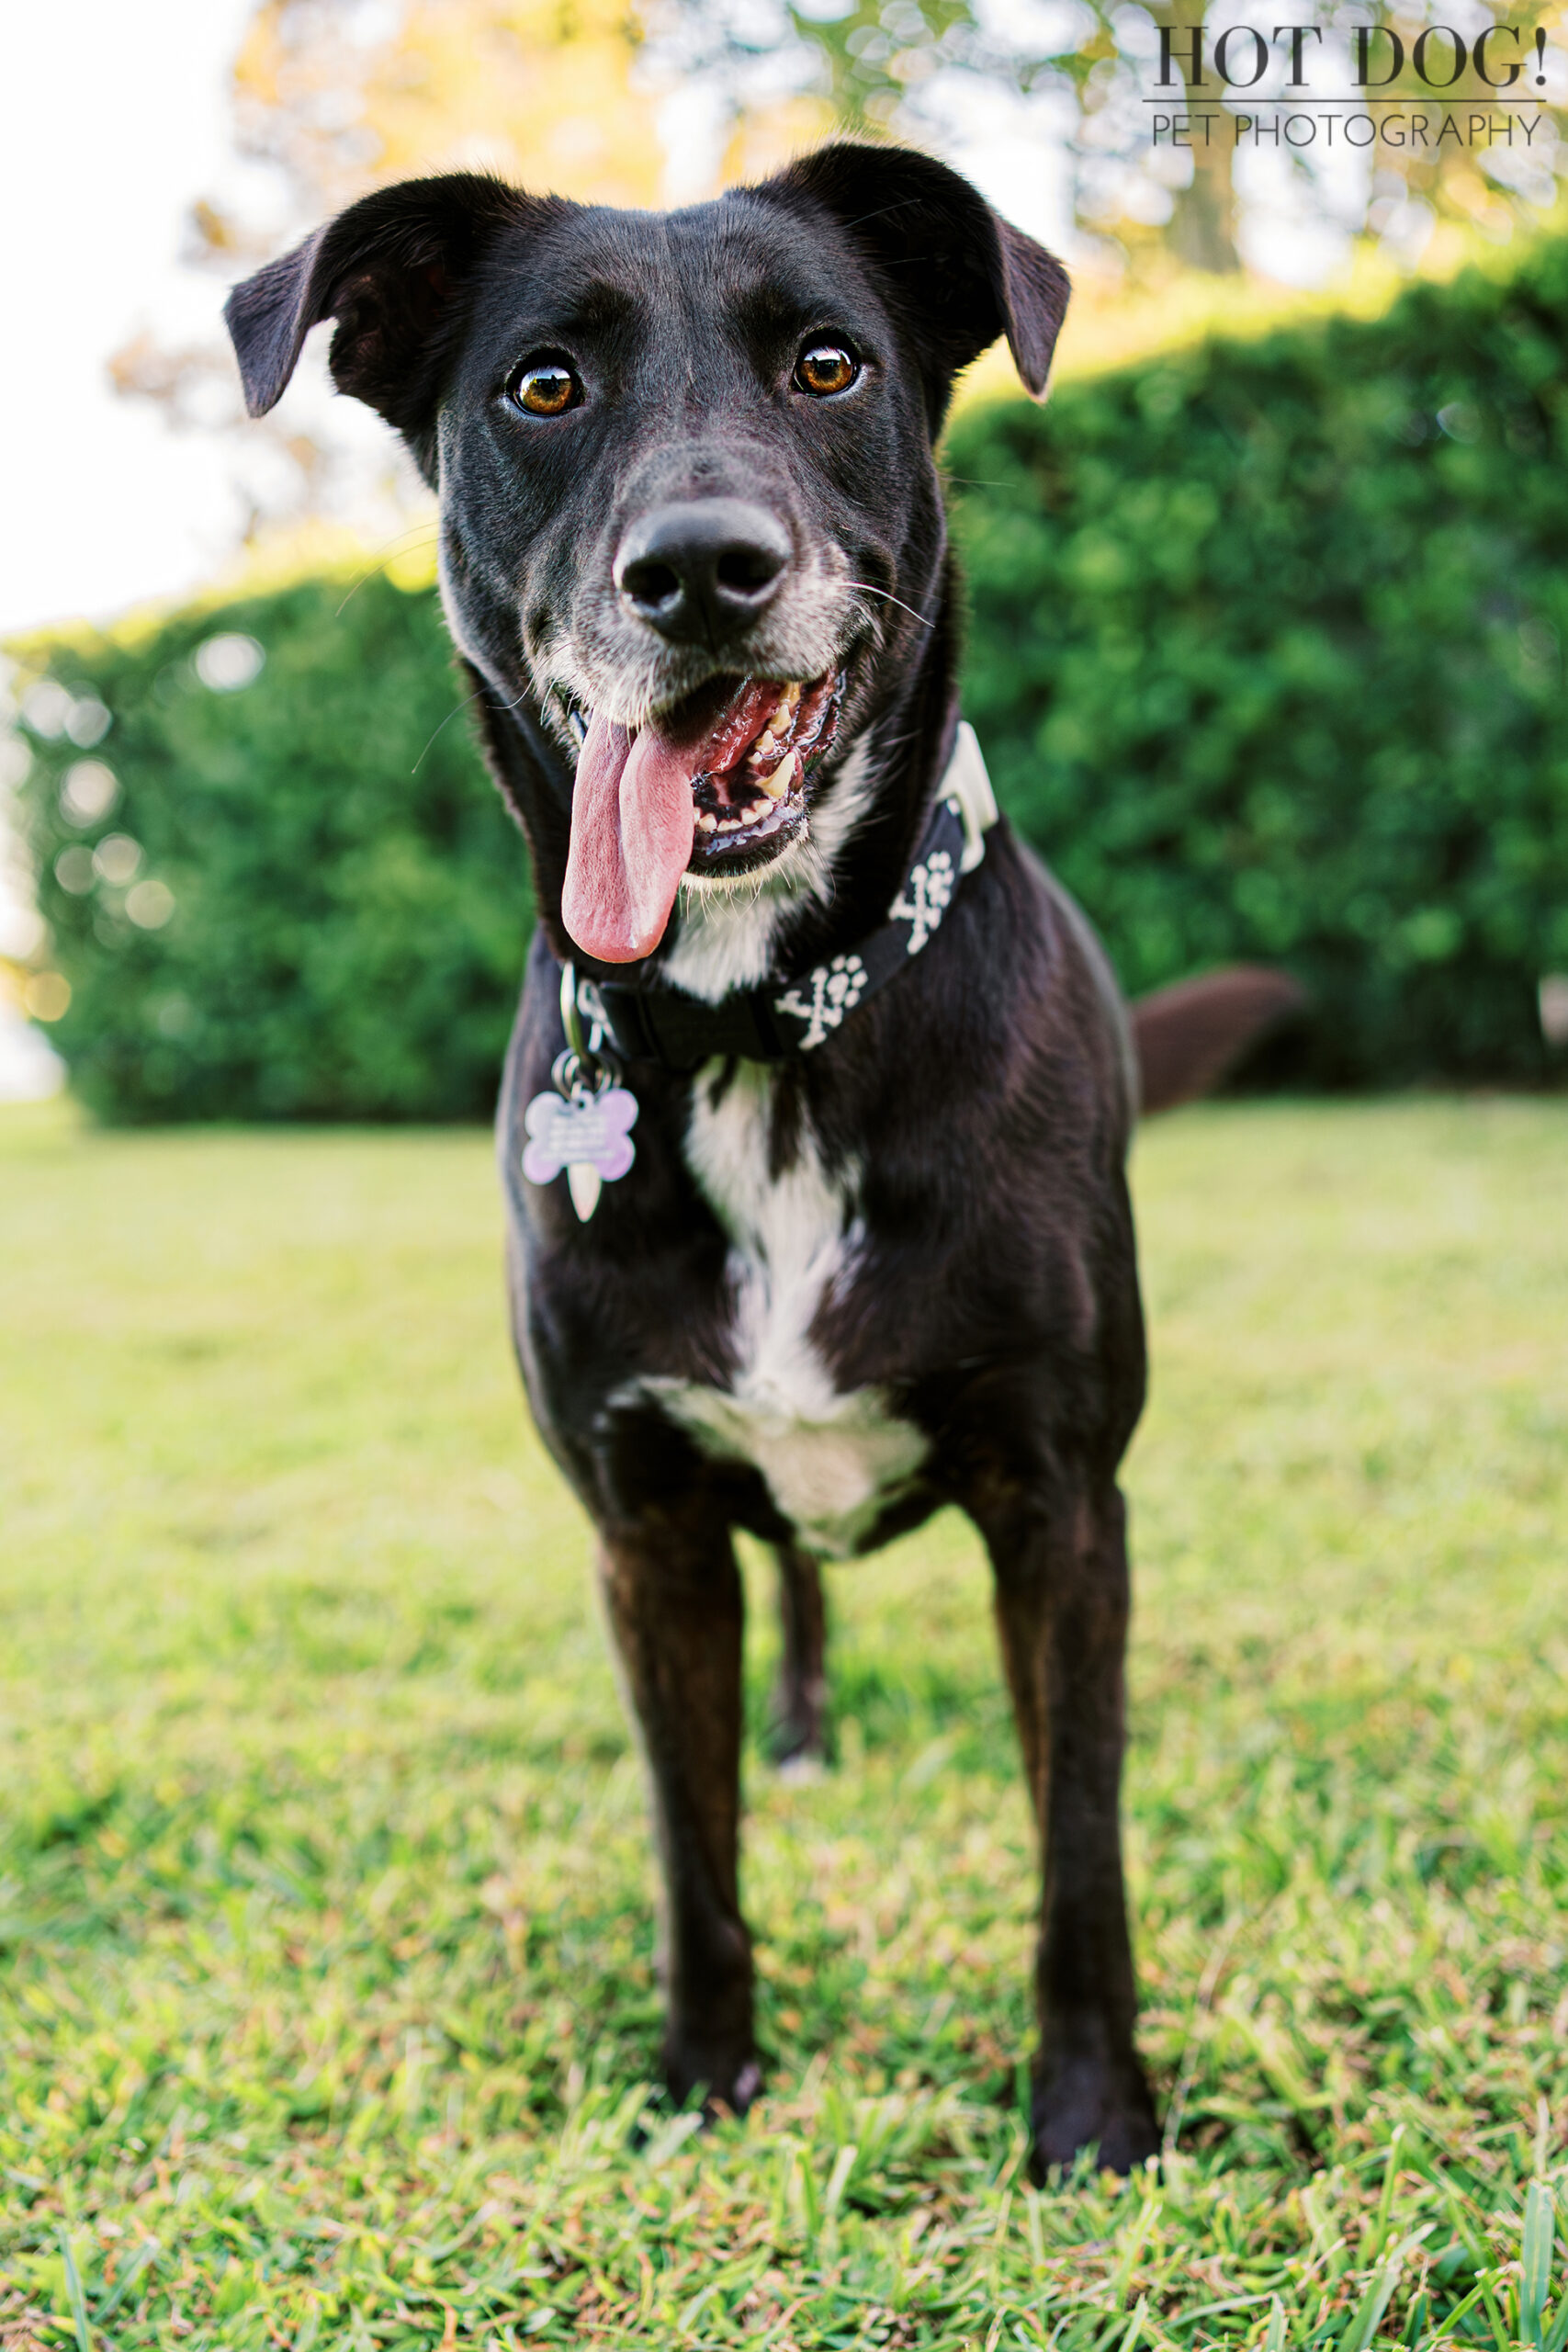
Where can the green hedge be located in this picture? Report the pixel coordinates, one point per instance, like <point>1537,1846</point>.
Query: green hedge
<point>344,936</point>
<point>1267,657</point>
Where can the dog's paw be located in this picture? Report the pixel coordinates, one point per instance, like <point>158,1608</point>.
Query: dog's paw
<point>727,2079</point>
<point>798,1733</point>
<point>1088,2105</point>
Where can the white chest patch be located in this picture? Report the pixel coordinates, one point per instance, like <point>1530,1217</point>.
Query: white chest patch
<point>831,1460</point>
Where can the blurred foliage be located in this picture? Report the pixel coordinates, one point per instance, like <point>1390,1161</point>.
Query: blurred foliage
<point>346,96</point>
<point>342,97</point>
<point>305,899</point>
<point>1268,658</point>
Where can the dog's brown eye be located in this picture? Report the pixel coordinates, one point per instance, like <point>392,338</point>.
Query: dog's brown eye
<point>547,390</point>
<point>825,367</point>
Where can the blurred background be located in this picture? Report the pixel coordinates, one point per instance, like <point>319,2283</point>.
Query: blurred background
<point>1268,603</point>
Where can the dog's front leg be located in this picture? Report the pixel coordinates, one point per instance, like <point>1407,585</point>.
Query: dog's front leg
<point>1062,1592</point>
<point>800,1700</point>
<point>673,1597</point>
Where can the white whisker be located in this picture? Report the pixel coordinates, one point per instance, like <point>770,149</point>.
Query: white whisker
<point>867,590</point>
<point>389,554</point>
<point>456,712</point>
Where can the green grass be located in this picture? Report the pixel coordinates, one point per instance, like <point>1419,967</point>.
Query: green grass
<point>326,2002</point>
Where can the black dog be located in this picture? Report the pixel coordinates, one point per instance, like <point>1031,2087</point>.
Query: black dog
<point>873,1253</point>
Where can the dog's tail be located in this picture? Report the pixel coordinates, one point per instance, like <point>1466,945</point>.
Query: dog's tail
<point>1190,1036</point>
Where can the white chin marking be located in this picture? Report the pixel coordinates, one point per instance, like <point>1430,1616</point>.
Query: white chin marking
<point>730,922</point>
<point>727,929</point>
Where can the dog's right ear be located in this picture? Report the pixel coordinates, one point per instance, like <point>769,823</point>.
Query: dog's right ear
<point>957,272</point>
<point>391,271</point>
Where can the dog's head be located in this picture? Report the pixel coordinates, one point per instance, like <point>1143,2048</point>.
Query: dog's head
<point>688,499</point>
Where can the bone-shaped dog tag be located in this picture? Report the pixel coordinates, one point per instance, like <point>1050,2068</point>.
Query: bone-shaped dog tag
<point>586,1134</point>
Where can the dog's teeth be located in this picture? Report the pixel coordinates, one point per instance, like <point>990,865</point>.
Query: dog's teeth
<point>777,785</point>
<point>707,821</point>
<point>765,748</point>
<point>757,808</point>
<point>730,824</point>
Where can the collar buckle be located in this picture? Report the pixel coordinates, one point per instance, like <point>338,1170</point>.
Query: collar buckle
<point>968,788</point>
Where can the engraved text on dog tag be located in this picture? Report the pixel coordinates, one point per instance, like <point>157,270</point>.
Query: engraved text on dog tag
<point>586,1134</point>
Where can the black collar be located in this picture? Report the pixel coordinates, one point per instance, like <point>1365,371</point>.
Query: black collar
<point>782,1018</point>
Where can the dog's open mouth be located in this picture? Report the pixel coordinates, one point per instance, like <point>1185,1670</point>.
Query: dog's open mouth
<point>717,784</point>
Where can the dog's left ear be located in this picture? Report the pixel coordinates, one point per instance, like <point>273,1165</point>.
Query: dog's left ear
<point>391,271</point>
<point>955,273</point>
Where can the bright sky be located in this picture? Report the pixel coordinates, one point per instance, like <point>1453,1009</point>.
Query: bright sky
<point>113,117</point>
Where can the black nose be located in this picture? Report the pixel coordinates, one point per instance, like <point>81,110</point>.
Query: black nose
<point>703,571</point>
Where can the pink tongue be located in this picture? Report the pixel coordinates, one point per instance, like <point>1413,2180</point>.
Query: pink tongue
<point>633,822</point>
<point>631,841</point>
